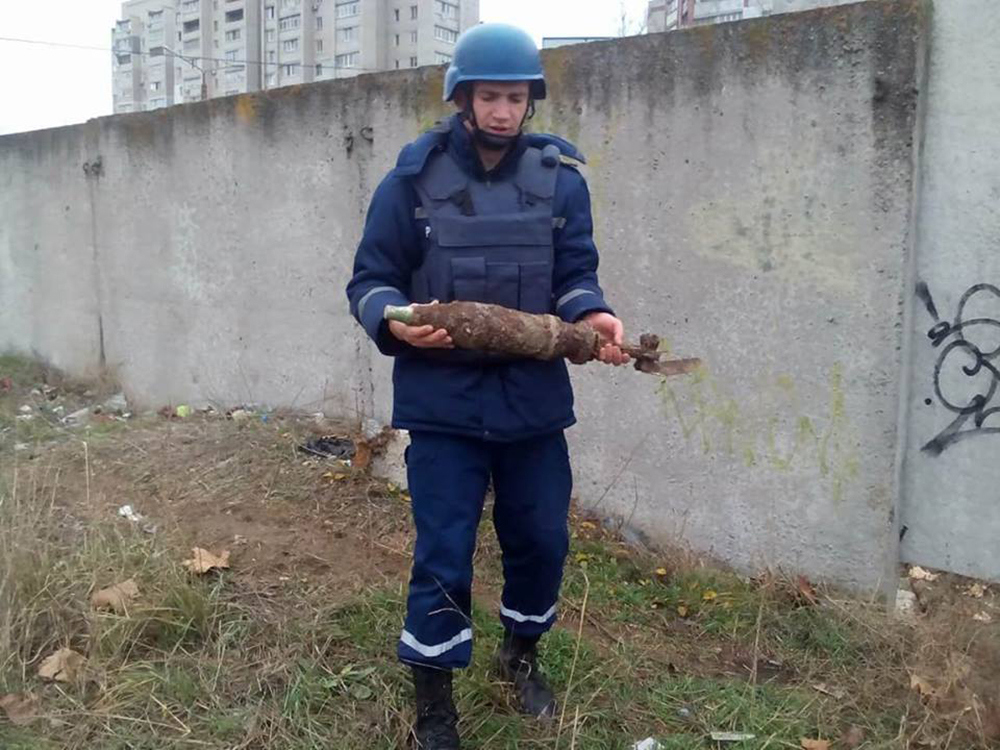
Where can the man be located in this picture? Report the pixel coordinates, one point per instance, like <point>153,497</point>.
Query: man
<point>478,210</point>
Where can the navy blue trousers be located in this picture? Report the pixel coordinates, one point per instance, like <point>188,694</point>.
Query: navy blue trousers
<point>448,477</point>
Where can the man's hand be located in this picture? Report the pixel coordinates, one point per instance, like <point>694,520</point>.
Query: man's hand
<point>612,334</point>
<point>422,337</point>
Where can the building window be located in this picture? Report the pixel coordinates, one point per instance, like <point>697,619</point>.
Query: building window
<point>413,37</point>
<point>319,23</point>
<point>232,55</point>
<point>271,78</point>
<point>397,64</point>
<point>413,62</point>
<point>290,22</point>
<point>291,69</point>
<point>446,9</point>
<point>156,103</point>
<point>192,26</point>
<point>397,40</point>
<point>348,9</point>
<point>189,6</point>
<point>350,60</point>
<point>290,45</point>
<point>155,15</point>
<point>232,16</point>
<point>233,35</point>
<point>269,35</point>
<point>441,58</point>
<point>348,34</point>
<point>192,44</point>
<point>319,69</point>
<point>397,14</point>
<point>319,45</point>
<point>413,12</point>
<point>445,35</point>
<point>289,4</point>
<point>155,86</point>
<point>269,12</point>
<point>272,56</point>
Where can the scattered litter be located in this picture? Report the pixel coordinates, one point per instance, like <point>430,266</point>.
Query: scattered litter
<point>59,409</point>
<point>62,666</point>
<point>79,417</point>
<point>25,417</point>
<point>117,597</point>
<point>183,411</point>
<point>240,415</point>
<point>21,446</point>
<point>983,617</point>
<point>127,511</point>
<point>732,737</point>
<point>647,744</point>
<point>815,744</point>
<point>21,708</point>
<point>832,692</point>
<point>685,713</point>
<point>36,392</point>
<point>976,591</point>
<point>116,403</point>
<point>26,409</point>
<point>920,574</point>
<point>330,446</point>
<point>906,602</point>
<point>204,561</point>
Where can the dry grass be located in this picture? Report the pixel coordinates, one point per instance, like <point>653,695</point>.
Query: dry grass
<point>293,647</point>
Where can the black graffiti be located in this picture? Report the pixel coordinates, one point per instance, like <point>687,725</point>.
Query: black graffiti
<point>965,348</point>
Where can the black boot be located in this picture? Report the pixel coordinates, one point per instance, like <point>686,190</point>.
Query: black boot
<point>436,714</point>
<point>517,663</point>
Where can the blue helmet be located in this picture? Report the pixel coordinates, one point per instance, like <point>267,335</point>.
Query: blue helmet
<point>495,52</point>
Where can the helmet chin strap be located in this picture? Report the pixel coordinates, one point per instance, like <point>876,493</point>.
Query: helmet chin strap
<point>490,141</point>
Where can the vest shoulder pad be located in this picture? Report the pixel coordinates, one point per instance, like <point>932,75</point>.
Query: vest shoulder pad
<point>567,149</point>
<point>413,157</point>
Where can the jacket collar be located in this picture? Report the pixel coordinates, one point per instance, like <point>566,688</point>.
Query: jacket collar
<point>463,150</point>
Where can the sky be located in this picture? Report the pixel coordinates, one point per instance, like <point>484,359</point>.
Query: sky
<point>43,86</point>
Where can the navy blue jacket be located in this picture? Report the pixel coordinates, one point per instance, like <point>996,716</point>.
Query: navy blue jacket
<point>504,402</point>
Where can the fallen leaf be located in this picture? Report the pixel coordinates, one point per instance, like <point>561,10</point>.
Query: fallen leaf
<point>588,525</point>
<point>983,617</point>
<point>62,666</point>
<point>853,737</point>
<point>116,597</point>
<point>710,595</point>
<point>21,708</point>
<point>682,611</point>
<point>204,561</point>
<point>976,591</point>
<point>362,456</point>
<point>920,574</point>
<point>832,692</point>
<point>661,571</point>
<point>921,685</point>
<point>815,744</point>
<point>806,590</point>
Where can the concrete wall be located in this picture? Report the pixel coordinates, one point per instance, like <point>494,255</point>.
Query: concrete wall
<point>752,192</point>
<point>951,514</point>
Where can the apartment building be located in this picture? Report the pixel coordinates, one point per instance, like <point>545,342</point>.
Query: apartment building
<point>174,51</point>
<point>668,15</point>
